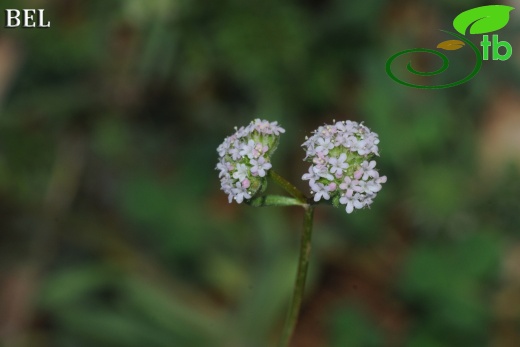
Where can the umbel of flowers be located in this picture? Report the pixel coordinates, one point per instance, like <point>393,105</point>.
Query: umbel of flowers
<point>342,171</point>
<point>244,159</point>
<point>342,168</point>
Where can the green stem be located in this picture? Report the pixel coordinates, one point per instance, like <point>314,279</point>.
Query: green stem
<point>301,275</point>
<point>274,200</point>
<point>288,186</point>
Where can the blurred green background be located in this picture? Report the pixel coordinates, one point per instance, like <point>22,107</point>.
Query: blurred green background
<point>113,228</point>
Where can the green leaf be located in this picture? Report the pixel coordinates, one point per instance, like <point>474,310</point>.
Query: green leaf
<point>483,19</point>
<point>274,200</point>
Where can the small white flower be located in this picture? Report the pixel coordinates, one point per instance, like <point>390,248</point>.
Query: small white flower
<point>322,171</point>
<point>224,170</point>
<point>320,191</point>
<point>360,147</point>
<point>234,151</point>
<point>241,172</point>
<point>226,184</point>
<point>374,185</point>
<point>276,129</point>
<point>259,166</point>
<point>242,132</point>
<point>362,187</point>
<point>223,148</point>
<point>351,202</point>
<point>310,175</point>
<point>240,193</point>
<point>338,164</point>
<point>247,149</point>
<point>324,145</point>
<point>368,169</point>
<point>346,127</point>
<point>348,185</point>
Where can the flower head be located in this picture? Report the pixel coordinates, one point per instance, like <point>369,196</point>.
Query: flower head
<point>342,168</point>
<point>244,158</point>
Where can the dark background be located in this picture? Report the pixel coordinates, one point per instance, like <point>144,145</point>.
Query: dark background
<point>113,231</point>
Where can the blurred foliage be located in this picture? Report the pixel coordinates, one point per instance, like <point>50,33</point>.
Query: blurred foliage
<point>114,232</point>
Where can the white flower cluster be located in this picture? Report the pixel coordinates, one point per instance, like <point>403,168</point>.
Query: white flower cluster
<point>245,158</point>
<point>341,168</point>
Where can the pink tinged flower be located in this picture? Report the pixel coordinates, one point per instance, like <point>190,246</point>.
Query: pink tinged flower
<point>259,149</point>
<point>358,174</point>
<point>338,164</point>
<point>241,172</point>
<point>320,191</point>
<point>320,159</point>
<point>259,166</point>
<point>331,187</point>
<point>262,126</point>
<point>328,130</point>
<point>246,183</point>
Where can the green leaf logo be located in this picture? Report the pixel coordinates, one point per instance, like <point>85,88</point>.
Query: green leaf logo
<point>451,45</point>
<point>482,20</point>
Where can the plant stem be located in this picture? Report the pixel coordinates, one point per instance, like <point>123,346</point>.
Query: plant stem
<point>301,275</point>
<point>288,186</point>
<point>303,262</point>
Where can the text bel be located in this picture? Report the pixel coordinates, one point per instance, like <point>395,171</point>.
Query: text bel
<point>27,18</point>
